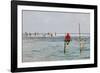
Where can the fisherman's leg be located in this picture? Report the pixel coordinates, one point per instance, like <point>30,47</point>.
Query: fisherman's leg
<point>67,45</point>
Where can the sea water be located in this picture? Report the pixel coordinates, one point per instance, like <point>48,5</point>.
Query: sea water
<point>52,49</point>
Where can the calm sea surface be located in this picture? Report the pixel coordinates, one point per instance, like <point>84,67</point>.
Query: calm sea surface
<point>52,49</point>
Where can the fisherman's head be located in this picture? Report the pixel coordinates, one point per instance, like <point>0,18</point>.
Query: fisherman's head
<point>67,33</point>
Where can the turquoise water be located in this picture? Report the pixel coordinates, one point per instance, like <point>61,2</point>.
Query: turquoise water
<point>52,49</point>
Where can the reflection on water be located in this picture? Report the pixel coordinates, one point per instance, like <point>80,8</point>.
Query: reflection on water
<point>52,49</point>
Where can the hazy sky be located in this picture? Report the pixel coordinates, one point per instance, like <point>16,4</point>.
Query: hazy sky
<point>60,22</point>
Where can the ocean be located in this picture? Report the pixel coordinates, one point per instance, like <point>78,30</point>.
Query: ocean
<point>37,49</point>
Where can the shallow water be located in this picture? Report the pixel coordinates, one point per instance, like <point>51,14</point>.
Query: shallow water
<point>52,49</point>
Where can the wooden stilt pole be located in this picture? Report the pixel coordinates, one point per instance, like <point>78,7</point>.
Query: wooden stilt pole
<point>64,46</point>
<point>80,40</point>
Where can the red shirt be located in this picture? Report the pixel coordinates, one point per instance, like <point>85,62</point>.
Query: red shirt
<point>67,37</point>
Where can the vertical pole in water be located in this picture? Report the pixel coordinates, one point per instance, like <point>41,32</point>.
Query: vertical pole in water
<point>64,46</point>
<point>79,39</point>
<point>79,32</point>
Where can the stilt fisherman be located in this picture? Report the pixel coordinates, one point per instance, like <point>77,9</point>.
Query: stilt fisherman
<point>67,40</point>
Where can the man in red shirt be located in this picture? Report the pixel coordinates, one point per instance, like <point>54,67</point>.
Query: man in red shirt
<point>67,40</point>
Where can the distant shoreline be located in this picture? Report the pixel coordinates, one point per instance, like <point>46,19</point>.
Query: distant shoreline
<point>57,38</point>
<point>53,34</point>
